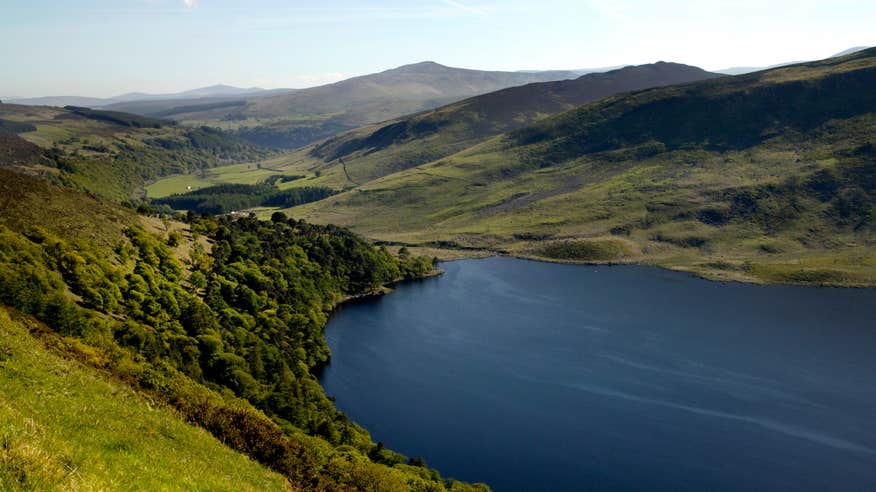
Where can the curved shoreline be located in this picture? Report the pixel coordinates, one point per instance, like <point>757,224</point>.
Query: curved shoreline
<point>712,275</point>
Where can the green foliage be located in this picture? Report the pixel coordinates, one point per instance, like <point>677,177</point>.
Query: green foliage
<point>586,250</point>
<point>280,178</point>
<point>198,107</point>
<point>370,152</point>
<point>247,325</point>
<point>118,118</point>
<point>226,198</point>
<point>772,168</point>
<point>113,154</point>
<point>64,426</point>
<point>723,114</point>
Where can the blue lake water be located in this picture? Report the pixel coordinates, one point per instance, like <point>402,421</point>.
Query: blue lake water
<point>533,376</point>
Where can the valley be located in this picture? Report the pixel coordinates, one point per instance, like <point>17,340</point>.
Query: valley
<point>733,178</point>
<point>192,283</point>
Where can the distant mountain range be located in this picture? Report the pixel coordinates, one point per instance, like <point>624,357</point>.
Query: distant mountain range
<point>418,86</point>
<point>213,91</point>
<point>227,91</point>
<point>295,119</point>
<point>291,119</point>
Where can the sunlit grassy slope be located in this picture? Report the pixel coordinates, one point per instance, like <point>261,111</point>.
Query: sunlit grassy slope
<point>74,261</point>
<point>108,153</point>
<point>765,177</point>
<point>245,173</point>
<point>367,153</point>
<point>64,426</point>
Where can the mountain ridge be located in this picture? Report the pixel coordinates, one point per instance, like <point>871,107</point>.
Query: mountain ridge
<point>434,134</point>
<point>765,177</point>
<point>295,119</point>
<point>213,91</point>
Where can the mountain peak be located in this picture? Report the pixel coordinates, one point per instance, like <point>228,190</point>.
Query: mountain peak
<point>424,66</point>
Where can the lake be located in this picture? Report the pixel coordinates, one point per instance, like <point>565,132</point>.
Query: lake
<point>535,376</point>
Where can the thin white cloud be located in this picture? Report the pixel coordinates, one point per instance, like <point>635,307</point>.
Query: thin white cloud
<point>190,3</point>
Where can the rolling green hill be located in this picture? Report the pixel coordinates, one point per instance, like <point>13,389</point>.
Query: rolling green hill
<point>65,426</point>
<point>216,322</point>
<point>364,154</point>
<point>295,119</point>
<point>369,153</point>
<point>110,153</point>
<point>761,177</point>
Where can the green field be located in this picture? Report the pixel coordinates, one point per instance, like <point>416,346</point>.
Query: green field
<point>66,427</point>
<point>249,173</point>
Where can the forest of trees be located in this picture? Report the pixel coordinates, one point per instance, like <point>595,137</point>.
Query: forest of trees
<point>244,319</point>
<point>226,198</point>
<point>119,118</point>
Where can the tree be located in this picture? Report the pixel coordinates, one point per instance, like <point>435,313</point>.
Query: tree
<point>278,217</point>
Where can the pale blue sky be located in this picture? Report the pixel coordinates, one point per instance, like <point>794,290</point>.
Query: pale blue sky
<point>108,47</point>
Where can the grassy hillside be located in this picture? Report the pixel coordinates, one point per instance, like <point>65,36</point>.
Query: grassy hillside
<point>295,119</point>
<point>220,319</point>
<point>762,177</point>
<point>65,426</point>
<point>370,152</point>
<point>110,153</point>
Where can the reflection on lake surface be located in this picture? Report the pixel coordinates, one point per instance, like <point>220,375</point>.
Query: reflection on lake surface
<point>536,376</point>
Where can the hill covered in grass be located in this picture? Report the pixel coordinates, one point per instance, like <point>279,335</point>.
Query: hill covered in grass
<point>761,177</point>
<point>66,426</point>
<point>110,153</point>
<point>295,119</point>
<point>367,153</point>
<point>371,152</point>
<point>216,321</point>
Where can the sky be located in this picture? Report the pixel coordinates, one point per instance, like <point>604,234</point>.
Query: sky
<point>104,48</point>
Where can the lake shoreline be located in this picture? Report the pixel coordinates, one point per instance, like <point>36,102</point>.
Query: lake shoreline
<point>551,365</point>
<point>712,275</point>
